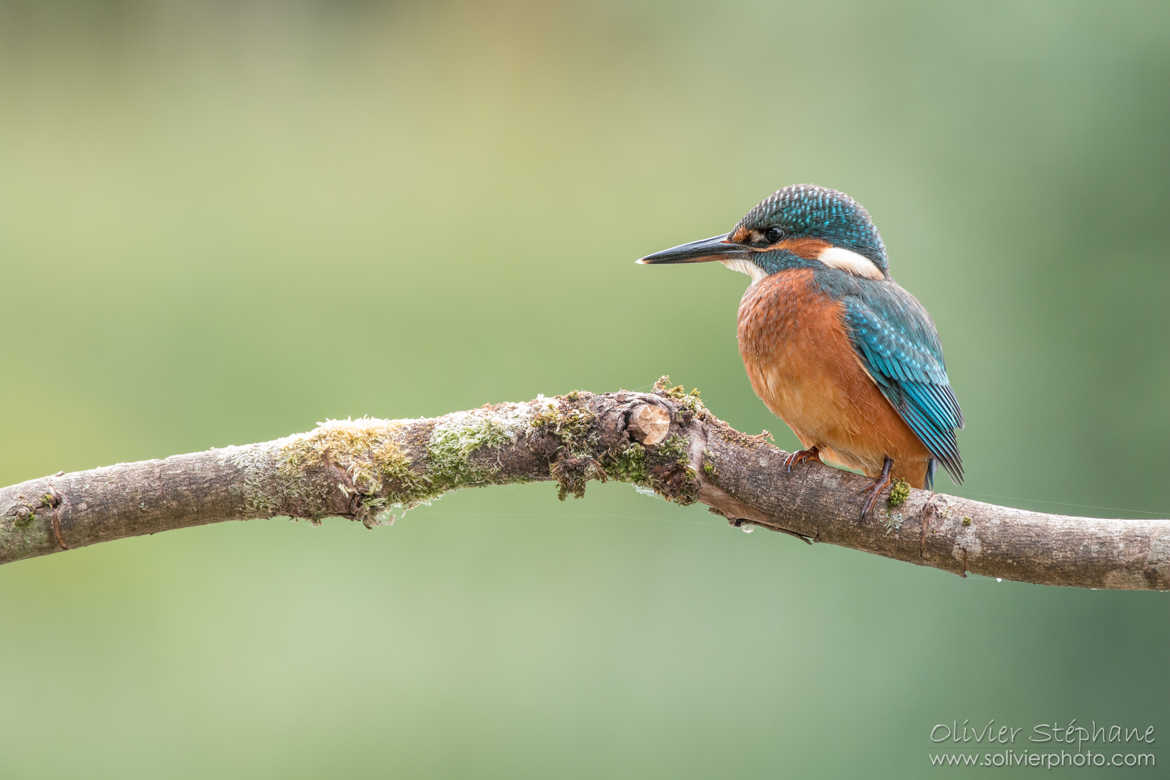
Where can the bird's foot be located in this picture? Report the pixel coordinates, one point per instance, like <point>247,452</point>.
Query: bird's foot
<point>800,456</point>
<point>881,483</point>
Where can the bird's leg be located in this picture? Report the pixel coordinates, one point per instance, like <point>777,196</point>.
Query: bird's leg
<point>800,456</point>
<point>879,484</point>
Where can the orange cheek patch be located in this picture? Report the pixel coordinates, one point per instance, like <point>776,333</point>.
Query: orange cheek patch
<point>741,236</point>
<point>808,248</point>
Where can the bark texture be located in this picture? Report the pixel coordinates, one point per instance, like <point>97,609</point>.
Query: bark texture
<point>372,470</point>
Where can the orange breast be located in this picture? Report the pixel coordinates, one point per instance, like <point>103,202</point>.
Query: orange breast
<point>801,364</point>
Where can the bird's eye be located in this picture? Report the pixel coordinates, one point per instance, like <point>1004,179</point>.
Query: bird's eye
<point>773,234</point>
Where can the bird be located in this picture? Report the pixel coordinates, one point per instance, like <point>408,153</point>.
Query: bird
<point>832,345</point>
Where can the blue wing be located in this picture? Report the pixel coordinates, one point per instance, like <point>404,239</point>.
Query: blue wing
<point>899,345</point>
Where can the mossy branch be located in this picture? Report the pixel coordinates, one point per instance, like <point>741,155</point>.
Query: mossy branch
<point>667,441</point>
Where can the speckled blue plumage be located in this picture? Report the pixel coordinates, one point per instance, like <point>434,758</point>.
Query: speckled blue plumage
<point>809,210</point>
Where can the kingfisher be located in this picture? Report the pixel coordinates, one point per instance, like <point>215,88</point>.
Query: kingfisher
<point>832,344</point>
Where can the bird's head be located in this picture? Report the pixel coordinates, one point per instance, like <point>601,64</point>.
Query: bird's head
<point>801,226</point>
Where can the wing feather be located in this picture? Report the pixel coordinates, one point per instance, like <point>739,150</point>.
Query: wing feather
<point>899,346</point>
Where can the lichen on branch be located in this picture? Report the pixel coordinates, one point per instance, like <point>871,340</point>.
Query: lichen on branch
<point>373,471</point>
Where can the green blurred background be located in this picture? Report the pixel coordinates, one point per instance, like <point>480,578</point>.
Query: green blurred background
<point>221,224</point>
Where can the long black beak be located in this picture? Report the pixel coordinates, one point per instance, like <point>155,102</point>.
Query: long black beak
<point>714,248</point>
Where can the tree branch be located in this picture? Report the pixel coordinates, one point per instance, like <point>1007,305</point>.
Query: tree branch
<point>374,470</point>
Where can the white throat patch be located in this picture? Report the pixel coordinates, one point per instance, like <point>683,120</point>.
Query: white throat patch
<point>745,267</point>
<point>850,262</point>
